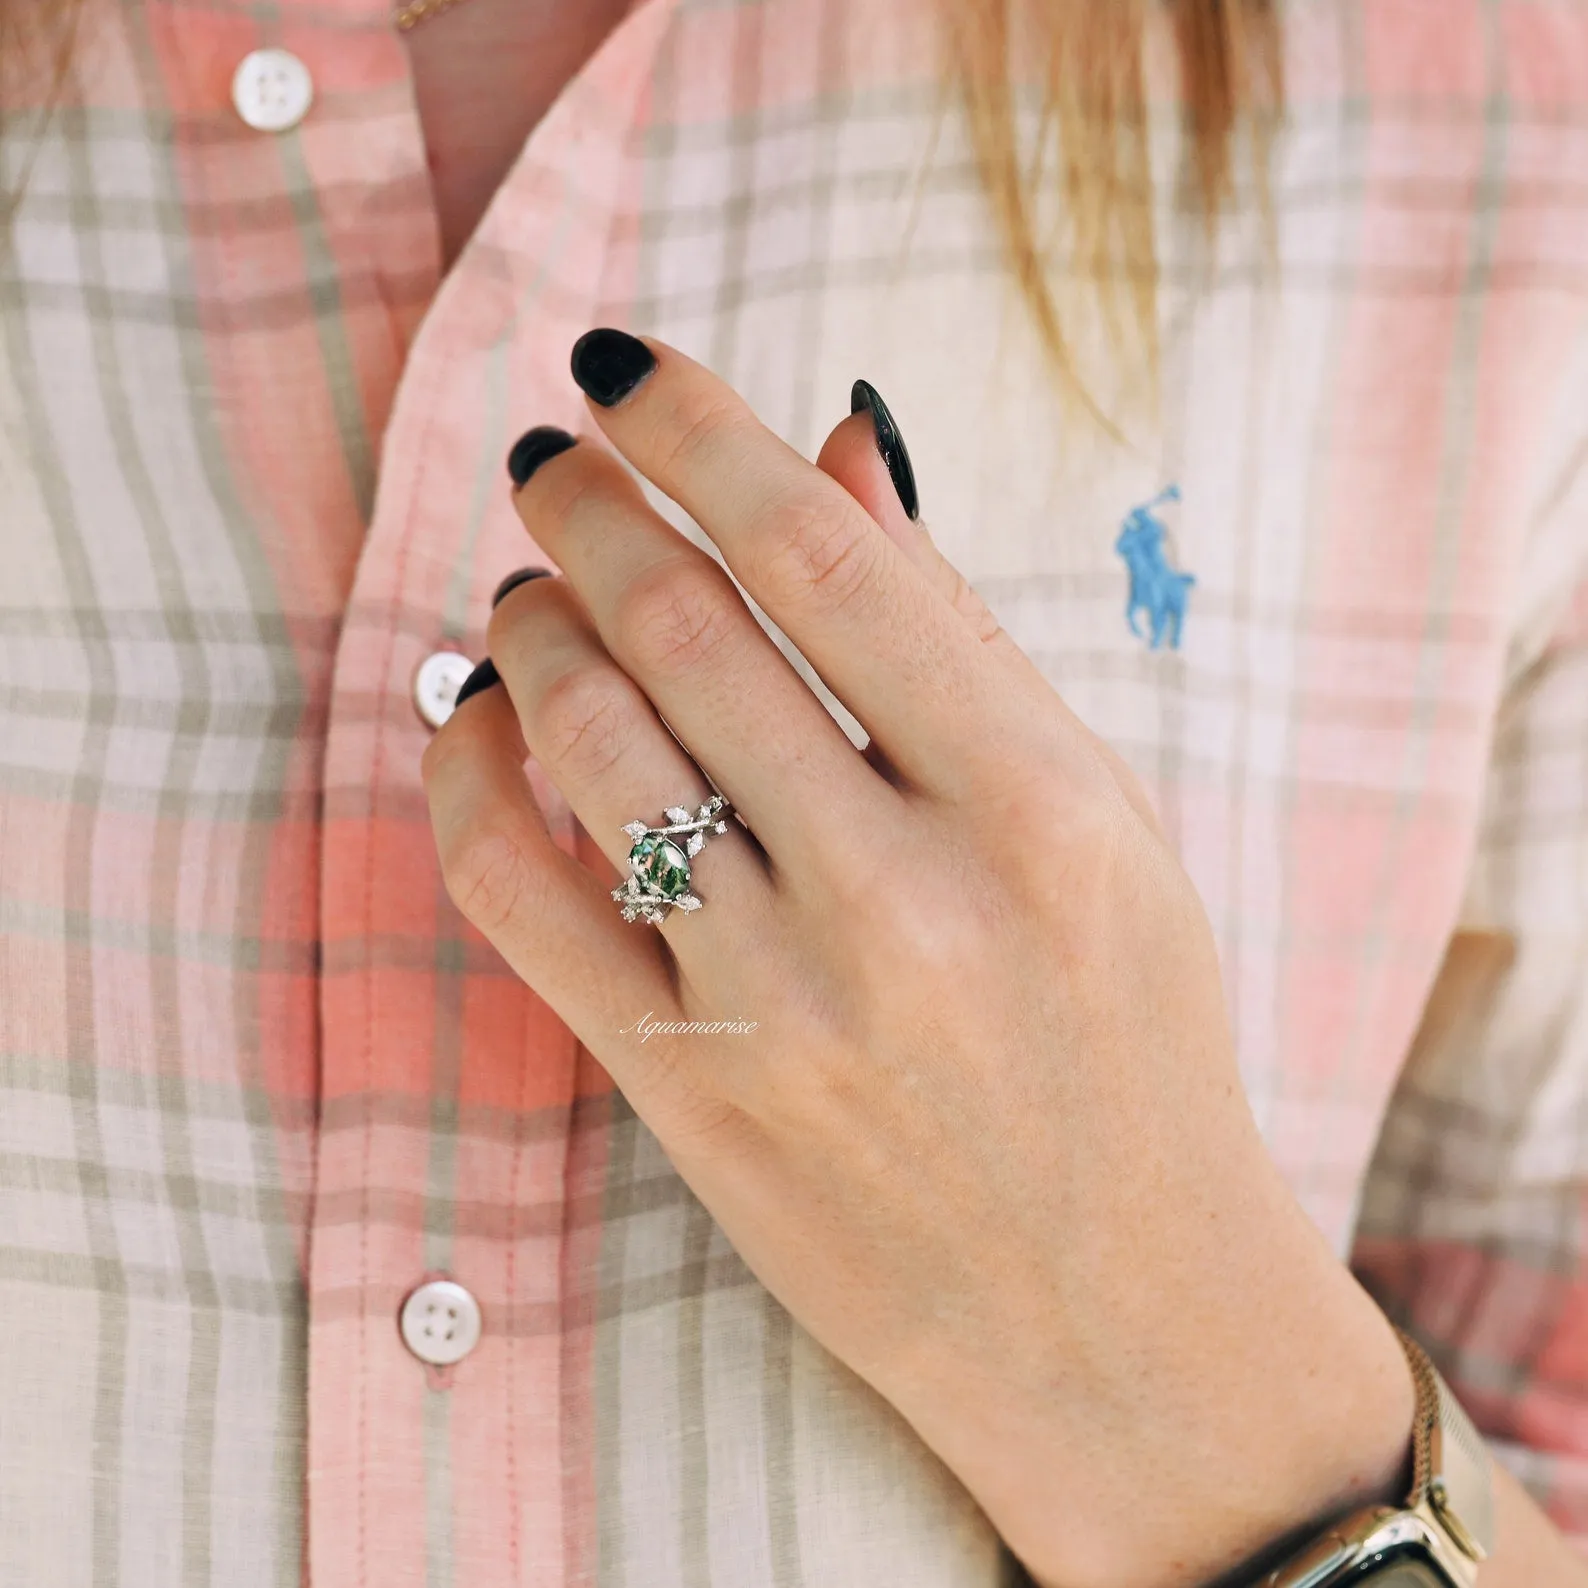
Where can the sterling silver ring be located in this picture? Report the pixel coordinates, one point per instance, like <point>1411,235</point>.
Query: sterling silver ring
<point>658,879</point>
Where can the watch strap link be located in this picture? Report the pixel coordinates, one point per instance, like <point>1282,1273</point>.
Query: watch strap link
<point>1450,1463</point>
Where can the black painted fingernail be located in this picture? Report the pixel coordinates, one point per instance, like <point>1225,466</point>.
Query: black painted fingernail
<point>514,580</point>
<point>482,677</point>
<point>534,447</point>
<point>609,364</point>
<point>889,443</point>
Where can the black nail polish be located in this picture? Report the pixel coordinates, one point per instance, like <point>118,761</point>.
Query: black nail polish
<point>514,580</point>
<point>534,447</point>
<point>609,364</point>
<point>482,677</point>
<point>889,443</point>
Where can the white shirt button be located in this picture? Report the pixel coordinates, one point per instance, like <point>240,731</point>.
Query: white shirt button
<point>437,683</point>
<point>272,90</point>
<point>440,1322</point>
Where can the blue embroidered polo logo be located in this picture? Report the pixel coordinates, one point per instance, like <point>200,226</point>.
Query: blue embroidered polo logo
<point>1156,589</point>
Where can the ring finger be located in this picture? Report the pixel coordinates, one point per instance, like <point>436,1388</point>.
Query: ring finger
<point>599,739</point>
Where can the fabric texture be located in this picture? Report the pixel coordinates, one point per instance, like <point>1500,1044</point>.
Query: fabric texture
<point>258,1078</point>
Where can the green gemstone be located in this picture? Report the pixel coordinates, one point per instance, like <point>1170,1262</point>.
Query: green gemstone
<point>662,864</point>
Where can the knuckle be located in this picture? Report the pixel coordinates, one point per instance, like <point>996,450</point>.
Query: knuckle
<point>693,427</point>
<point>1131,788</point>
<point>584,722</point>
<point>813,551</point>
<point>1087,852</point>
<point>930,934</point>
<point>944,907</point>
<point>921,917</point>
<point>1042,806</point>
<point>490,878</point>
<point>674,618</point>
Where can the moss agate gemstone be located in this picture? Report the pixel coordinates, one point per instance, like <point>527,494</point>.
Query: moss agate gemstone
<point>662,865</point>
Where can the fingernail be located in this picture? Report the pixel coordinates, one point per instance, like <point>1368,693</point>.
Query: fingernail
<point>514,580</point>
<point>533,448</point>
<point>889,443</point>
<point>482,677</point>
<point>609,364</point>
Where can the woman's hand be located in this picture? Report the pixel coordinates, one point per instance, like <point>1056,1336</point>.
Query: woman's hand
<point>987,1141</point>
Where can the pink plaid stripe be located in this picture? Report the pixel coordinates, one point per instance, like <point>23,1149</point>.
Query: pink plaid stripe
<point>258,1079</point>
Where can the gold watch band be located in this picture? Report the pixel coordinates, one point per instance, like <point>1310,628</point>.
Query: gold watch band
<point>1450,1464</point>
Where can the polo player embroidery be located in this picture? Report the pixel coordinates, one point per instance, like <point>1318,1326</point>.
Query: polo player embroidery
<point>1156,589</point>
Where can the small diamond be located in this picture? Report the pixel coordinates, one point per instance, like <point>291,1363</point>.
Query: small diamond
<point>677,813</point>
<point>636,829</point>
<point>687,902</point>
<point>721,827</point>
<point>697,842</point>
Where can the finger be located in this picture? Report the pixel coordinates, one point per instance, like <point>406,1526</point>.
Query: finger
<point>902,661</point>
<point>599,739</point>
<point>851,455</point>
<point>672,619</point>
<point>547,915</point>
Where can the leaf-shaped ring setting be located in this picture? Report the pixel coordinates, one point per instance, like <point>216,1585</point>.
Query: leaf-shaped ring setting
<point>658,879</point>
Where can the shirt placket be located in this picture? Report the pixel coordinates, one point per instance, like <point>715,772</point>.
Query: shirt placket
<point>448,1088</point>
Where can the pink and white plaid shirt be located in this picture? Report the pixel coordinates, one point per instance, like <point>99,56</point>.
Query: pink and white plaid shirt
<point>258,1079</point>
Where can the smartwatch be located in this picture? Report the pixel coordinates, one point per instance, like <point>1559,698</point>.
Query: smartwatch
<point>1438,1536</point>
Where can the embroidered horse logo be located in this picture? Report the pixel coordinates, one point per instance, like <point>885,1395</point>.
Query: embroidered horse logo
<point>1156,589</point>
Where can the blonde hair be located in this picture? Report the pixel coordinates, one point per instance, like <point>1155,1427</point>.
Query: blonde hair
<point>1091,131</point>
<point>1087,62</point>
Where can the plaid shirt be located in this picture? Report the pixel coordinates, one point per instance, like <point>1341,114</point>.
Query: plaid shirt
<point>258,1079</point>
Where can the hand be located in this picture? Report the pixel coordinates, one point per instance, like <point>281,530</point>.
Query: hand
<point>988,1141</point>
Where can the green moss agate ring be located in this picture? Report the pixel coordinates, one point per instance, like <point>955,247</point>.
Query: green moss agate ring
<point>658,880</point>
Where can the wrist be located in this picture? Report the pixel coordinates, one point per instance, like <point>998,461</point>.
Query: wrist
<point>1274,1407</point>
<point>1305,1429</point>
